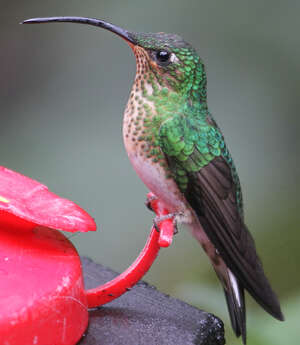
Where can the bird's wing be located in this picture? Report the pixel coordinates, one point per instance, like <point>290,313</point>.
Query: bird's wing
<point>203,169</point>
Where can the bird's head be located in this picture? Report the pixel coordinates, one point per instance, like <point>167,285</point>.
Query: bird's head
<point>165,61</point>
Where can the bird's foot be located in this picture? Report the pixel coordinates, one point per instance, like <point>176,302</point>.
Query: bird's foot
<point>155,205</point>
<point>149,200</point>
<point>158,219</point>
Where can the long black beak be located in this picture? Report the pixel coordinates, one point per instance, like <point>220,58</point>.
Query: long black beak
<point>81,20</point>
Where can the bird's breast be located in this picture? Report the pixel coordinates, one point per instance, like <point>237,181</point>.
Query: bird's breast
<point>148,160</point>
<point>157,180</point>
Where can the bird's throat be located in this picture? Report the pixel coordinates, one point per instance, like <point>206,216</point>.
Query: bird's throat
<point>151,102</point>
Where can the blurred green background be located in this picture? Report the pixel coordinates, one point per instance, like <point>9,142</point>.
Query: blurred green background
<point>63,90</point>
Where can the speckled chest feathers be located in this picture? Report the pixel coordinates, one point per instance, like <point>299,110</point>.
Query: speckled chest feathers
<point>156,96</point>
<point>149,105</point>
<point>165,101</point>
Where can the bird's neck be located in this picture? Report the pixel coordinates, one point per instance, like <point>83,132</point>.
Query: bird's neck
<point>154,93</point>
<point>173,91</point>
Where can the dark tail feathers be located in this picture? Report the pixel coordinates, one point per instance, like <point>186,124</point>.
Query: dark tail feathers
<point>235,299</point>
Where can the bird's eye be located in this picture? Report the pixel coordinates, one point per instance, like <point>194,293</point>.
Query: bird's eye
<point>163,57</point>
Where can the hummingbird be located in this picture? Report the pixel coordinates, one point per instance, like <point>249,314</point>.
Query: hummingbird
<point>179,152</point>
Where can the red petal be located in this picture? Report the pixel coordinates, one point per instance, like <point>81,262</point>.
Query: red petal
<point>33,202</point>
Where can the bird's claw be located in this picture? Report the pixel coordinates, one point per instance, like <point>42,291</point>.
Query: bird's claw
<point>149,201</point>
<point>158,219</point>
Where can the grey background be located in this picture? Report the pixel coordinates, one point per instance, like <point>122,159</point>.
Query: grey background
<point>63,90</point>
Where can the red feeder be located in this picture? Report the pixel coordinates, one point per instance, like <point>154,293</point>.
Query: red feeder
<point>42,299</point>
<point>42,296</point>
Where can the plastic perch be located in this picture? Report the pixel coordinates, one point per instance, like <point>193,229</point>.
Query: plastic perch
<point>126,280</point>
<point>42,295</point>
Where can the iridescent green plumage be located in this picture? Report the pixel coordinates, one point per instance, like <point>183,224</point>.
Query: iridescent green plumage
<point>182,126</point>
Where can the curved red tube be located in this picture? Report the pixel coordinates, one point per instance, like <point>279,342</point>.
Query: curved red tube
<point>126,280</point>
